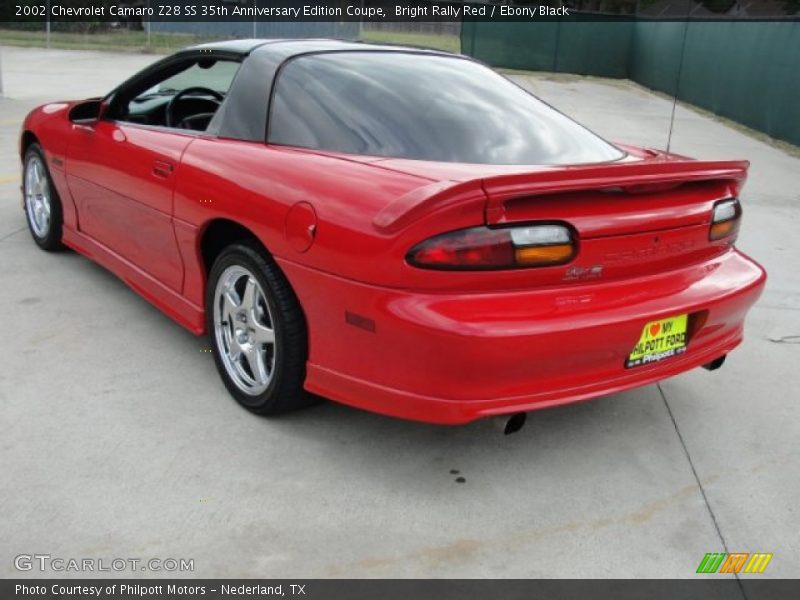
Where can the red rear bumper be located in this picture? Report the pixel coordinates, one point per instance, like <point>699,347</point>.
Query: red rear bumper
<point>456,357</point>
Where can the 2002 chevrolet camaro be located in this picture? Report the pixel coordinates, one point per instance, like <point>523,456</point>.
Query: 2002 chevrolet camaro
<point>397,229</point>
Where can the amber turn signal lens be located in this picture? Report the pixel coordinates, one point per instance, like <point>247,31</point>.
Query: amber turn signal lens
<point>544,255</point>
<point>724,229</point>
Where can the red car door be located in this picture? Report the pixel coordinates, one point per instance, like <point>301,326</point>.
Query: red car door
<point>122,177</point>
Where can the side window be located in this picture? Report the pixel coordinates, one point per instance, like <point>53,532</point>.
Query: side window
<point>184,97</point>
<point>310,108</point>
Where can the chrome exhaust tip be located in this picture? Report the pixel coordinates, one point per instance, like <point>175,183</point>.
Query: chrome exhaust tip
<point>716,363</point>
<point>510,424</point>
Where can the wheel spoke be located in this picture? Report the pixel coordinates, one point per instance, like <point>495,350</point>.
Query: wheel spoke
<point>234,349</point>
<point>229,305</point>
<point>249,296</point>
<point>38,216</point>
<point>263,334</point>
<point>255,360</point>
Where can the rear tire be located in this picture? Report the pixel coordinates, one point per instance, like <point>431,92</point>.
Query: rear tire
<point>41,201</point>
<point>258,331</point>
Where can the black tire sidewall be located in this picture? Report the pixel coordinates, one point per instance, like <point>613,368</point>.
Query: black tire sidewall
<point>265,272</point>
<point>51,241</point>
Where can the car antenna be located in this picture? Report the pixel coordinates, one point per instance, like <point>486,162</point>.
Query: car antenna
<point>680,71</point>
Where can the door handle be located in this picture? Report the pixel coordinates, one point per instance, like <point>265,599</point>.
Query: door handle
<point>163,169</point>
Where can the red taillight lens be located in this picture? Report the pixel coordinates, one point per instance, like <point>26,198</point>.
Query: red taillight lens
<point>481,248</point>
<point>477,248</point>
<point>725,220</point>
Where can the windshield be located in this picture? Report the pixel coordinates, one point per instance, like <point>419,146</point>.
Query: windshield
<point>427,107</point>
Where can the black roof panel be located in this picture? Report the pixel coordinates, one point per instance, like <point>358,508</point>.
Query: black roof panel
<point>242,47</point>
<point>292,47</point>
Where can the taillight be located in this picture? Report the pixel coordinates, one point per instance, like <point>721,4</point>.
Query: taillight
<point>481,248</point>
<point>725,219</point>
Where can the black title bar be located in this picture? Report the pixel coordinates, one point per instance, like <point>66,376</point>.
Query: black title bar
<point>710,588</point>
<point>330,10</point>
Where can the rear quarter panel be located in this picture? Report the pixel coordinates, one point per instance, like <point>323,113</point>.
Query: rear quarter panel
<point>255,185</point>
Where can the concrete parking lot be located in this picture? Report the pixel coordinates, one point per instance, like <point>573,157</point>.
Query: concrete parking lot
<point>119,440</point>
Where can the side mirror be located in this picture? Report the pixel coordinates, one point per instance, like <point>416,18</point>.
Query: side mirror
<point>87,112</point>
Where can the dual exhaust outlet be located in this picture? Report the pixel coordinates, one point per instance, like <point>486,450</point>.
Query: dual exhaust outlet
<point>509,424</point>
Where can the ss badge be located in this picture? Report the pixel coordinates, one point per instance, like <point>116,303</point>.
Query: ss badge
<point>583,273</point>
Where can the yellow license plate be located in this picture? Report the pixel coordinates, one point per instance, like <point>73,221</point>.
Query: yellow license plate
<point>660,339</point>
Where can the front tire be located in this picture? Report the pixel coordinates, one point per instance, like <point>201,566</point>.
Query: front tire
<point>42,204</point>
<point>258,332</point>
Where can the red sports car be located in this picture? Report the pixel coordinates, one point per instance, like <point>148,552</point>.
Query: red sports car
<point>397,229</point>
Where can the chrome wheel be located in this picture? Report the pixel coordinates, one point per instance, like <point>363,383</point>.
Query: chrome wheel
<point>37,196</point>
<point>243,330</point>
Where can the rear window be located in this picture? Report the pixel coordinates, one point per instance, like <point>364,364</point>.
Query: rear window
<point>425,107</point>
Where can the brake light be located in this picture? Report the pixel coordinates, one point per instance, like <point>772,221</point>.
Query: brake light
<point>725,219</point>
<point>481,248</point>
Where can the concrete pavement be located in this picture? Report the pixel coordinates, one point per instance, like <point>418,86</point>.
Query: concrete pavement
<point>117,438</point>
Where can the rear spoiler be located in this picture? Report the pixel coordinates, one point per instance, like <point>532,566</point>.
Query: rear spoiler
<point>631,177</point>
